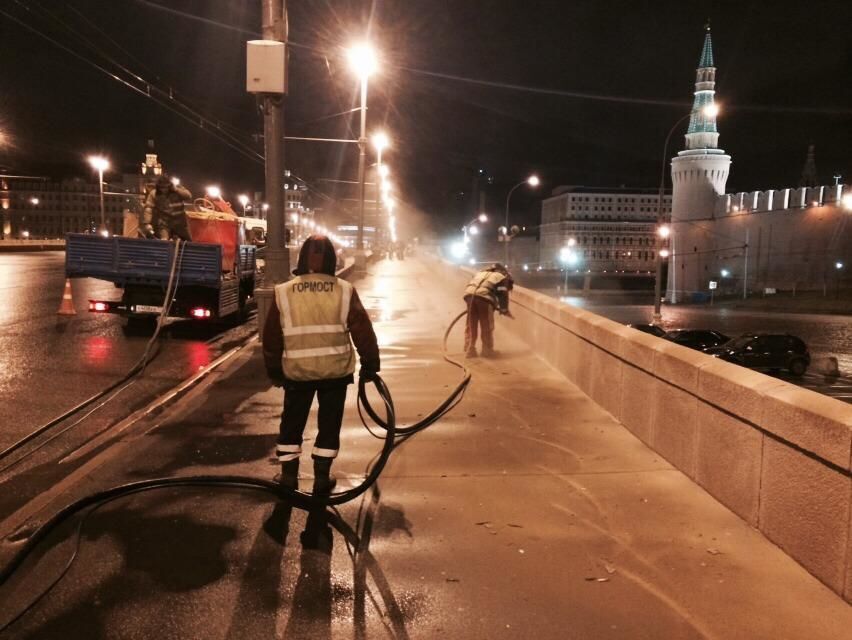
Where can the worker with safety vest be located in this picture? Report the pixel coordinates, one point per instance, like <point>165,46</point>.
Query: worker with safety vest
<point>164,215</point>
<point>307,348</point>
<point>487,290</point>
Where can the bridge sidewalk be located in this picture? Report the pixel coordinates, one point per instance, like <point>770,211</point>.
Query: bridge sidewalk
<point>527,513</point>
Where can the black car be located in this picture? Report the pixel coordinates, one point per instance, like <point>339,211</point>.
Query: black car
<point>699,339</point>
<point>766,352</point>
<point>653,329</point>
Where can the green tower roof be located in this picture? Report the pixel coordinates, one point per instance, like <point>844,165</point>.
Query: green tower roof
<point>706,52</point>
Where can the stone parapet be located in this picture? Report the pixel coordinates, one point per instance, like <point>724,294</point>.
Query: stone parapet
<point>777,455</point>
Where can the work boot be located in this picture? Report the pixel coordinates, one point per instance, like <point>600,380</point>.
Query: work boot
<point>471,353</point>
<point>488,353</point>
<point>289,476</point>
<point>323,482</point>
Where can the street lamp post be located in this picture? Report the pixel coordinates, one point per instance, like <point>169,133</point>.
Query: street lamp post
<point>533,181</point>
<point>362,59</point>
<point>710,110</point>
<point>100,164</point>
<point>243,201</point>
<point>380,142</point>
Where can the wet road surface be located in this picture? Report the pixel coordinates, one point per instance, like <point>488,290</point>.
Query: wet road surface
<point>526,513</point>
<point>825,335</point>
<point>50,363</point>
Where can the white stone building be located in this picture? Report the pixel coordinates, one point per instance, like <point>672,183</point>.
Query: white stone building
<point>610,229</point>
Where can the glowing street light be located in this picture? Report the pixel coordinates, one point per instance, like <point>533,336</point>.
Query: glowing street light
<point>34,201</point>
<point>100,164</point>
<point>473,230</point>
<point>380,142</point>
<point>532,181</point>
<point>838,265</point>
<point>362,59</point>
<point>363,62</point>
<point>243,200</point>
<point>664,231</point>
<point>664,253</point>
<point>725,273</point>
<point>482,217</point>
<point>213,192</point>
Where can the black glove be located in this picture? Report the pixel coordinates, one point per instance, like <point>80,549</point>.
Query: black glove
<point>276,376</point>
<point>368,373</point>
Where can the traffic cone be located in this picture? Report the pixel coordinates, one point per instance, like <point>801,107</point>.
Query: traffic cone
<point>66,308</point>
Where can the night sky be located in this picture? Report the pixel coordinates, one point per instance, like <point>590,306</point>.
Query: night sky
<point>581,92</point>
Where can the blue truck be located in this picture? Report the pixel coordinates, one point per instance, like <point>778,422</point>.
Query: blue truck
<point>142,268</point>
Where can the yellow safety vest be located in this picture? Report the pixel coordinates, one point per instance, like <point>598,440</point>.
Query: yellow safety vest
<point>484,284</point>
<point>314,309</point>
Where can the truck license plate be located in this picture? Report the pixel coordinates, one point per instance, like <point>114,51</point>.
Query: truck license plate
<point>146,308</point>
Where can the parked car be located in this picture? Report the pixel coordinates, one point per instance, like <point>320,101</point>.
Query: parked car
<point>699,339</point>
<point>653,329</point>
<point>766,352</point>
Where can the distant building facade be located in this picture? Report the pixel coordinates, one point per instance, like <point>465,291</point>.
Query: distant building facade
<point>39,207</point>
<point>778,239</point>
<point>611,229</point>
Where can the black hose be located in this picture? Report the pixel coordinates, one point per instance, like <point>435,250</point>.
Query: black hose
<point>299,499</point>
<point>441,410</point>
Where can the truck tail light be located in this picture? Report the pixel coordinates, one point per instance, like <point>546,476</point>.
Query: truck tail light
<point>98,307</point>
<point>200,312</point>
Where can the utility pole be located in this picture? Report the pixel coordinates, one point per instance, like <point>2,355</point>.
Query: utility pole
<point>274,18</point>
<point>277,253</point>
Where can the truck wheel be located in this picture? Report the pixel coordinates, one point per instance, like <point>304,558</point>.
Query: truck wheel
<point>798,368</point>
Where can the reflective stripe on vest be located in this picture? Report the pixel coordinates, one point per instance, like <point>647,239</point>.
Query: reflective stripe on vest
<point>314,309</point>
<point>484,284</point>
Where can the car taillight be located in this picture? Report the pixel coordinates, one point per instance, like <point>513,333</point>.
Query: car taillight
<point>98,306</point>
<point>200,312</point>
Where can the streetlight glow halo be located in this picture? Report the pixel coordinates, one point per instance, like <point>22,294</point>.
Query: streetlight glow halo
<point>362,59</point>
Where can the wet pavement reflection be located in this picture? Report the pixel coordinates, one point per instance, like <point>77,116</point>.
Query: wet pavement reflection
<point>49,363</point>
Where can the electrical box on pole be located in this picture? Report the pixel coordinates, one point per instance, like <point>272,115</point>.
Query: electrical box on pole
<point>265,66</point>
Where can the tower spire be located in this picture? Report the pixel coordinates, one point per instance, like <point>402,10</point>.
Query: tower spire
<point>702,135</point>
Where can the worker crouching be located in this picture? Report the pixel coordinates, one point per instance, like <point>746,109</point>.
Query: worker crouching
<point>487,290</point>
<point>307,348</point>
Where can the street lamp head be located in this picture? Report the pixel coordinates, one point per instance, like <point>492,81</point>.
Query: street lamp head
<point>482,217</point>
<point>725,273</point>
<point>34,200</point>
<point>99,163</point>
<point>362,60</point>
<point>664,231</point>
<point>664,253</point>
<point>214,192</point>
<point>711,110</point>
<point>533,181</point>
<point>381,141</point>
<point>571,242</point>
<point>243,198</point>
<point>473,230</point>
<point>838,265</point>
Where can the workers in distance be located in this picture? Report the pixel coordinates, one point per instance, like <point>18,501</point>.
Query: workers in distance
<point>486,292</point>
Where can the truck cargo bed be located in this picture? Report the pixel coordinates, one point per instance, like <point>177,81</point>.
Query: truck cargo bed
<point>140,261</point>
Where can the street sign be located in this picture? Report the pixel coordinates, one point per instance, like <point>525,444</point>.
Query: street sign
<point>713,284</point>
